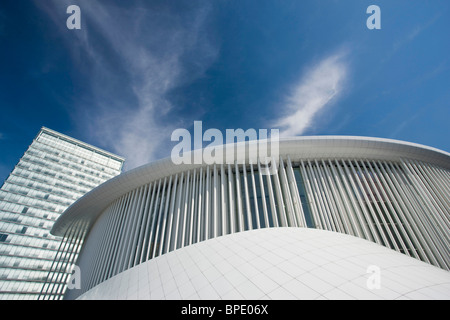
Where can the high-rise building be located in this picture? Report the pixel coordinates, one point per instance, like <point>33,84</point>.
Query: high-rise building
<point>340,217</point>
<point>54,172</point>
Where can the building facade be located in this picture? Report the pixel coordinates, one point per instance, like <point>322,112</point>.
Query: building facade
<point>54,172</point>
<point>333,206</point>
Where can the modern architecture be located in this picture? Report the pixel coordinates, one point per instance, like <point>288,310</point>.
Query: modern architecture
<point>340,217</point>
<point>54,172</point>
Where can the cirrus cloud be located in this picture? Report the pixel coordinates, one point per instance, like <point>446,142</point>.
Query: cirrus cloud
<point>132,56</point>
<point>318,87</point>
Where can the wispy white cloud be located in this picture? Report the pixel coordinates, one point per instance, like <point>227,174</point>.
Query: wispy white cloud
<point>403,125</point>
<point>137,56</point>
<point>410,36</point>
<point>318,87</point>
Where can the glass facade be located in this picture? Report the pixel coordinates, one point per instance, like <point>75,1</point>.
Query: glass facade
<point>53,173</point>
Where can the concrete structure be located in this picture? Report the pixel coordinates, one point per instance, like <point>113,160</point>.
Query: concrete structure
<point>278,263</point>
<point>333,201</point>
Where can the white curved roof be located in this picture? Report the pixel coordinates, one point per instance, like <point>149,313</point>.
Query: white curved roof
<point>91,205</point>
<point>278,263</point>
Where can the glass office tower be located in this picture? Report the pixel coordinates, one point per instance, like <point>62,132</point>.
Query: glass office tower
<point>53,173</point>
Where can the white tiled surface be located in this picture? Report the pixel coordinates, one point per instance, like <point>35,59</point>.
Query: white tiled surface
<point>277,263</point>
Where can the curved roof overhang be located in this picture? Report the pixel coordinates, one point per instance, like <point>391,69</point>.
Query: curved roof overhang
<point>91,205</point>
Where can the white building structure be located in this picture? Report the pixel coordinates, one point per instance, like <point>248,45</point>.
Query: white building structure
<point>341,217</point>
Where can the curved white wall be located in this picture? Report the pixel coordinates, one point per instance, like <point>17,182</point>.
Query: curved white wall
<point>395,205</point>
<point>278,263</point>
<point>394,194</point>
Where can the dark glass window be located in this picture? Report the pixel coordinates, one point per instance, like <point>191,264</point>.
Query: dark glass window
<point>303,198</point>
<point>268,204</point>
<point>259,198</point>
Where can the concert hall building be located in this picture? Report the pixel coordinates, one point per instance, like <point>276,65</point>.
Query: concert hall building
<point>339,218</point>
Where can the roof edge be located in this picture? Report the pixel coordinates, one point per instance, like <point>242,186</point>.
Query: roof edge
<point>92,204</point>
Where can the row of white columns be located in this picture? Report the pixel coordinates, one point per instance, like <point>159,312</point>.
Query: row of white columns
<point>402,205</point>
<point>61,269</point>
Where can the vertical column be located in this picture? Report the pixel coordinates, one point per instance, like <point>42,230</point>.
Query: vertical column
<point>279,197</point>
<point>200,206</point>
<point>255,197</point>
<point>148,225</point>
<point>167,223</point>
<point>207,202</point>
<point>193,210</point>
<point>223,190</point>
<point>155,218</point>
<point>215,204</point>
<point>157,240</point>
<point>185,211</point>
<point>297,210</point>
<point>263,196</point>
<point>173,238</point>
<point>240,214</point>
<point>231,199</point>
<point>272,200</point>
<point>247,198</point>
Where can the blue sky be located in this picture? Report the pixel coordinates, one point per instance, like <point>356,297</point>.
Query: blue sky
<point>137,70</point>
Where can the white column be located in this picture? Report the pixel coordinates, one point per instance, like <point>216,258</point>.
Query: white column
<point>263,196</point>
<point>231,198</point>
<point>255,197</point>
<point>247,198</point>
